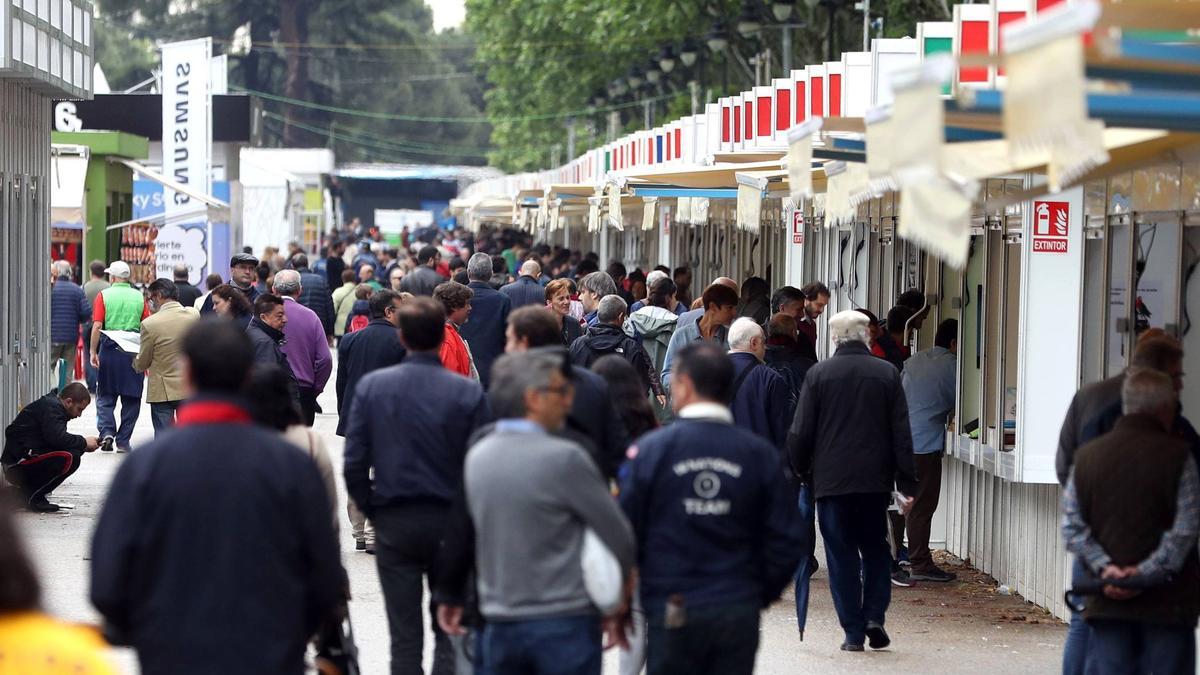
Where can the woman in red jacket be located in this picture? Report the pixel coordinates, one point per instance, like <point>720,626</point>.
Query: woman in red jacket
<point>456,301</point>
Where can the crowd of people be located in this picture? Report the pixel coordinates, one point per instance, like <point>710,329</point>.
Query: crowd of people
<point>567,456</point>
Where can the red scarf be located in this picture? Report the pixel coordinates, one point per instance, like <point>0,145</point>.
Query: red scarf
<point>211,412</point>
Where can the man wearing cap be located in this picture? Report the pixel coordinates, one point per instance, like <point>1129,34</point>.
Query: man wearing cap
<point>243,272</point>
<point>120,307</point>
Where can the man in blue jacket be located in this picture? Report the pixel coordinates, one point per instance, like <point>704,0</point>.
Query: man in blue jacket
<point>375,346</point>
<point>489,317</point>
<point>315,293</point>
<point>715,523</point>
<point>759,396</point>
<point>410,424</point>
<point>69,309</point>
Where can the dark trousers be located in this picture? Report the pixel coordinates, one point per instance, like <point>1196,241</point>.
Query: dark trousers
<point>561,646</point>
<point>406,544</point>
<point>925,502</point>
<point>720,639</point>
<point>37,476</point>
<point>1079,633</point>
<point>106,408</point>
<point>1119,647</point>
<point>308,405</point>
<point>162,415</point>
<point>90,374</point>
<point>804,572</point>
<point>854,528</point>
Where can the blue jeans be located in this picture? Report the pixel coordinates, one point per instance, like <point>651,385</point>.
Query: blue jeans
<point>162,415</point>
<point>859,560</point>
<point>106,407</point>
<point>804,572</point>
<point>562,646</point>
<point>1135,647</point>
<point>1076,648</point>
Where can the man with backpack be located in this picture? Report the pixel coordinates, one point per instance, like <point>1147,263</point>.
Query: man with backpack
<point>607,337</point>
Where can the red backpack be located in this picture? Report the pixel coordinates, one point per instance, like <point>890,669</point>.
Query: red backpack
<point>358,322</point>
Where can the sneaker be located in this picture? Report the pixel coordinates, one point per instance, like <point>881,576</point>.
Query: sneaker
<point>933,574</point>
<point>107,444</point>
<point>360,544</point>
<point>877,637</point>
<point>121,449</point>
<point>42,505</point>
<point>902,554</point>
<point>851,647</point>
<point>813,566</point>
<point>901,578</point>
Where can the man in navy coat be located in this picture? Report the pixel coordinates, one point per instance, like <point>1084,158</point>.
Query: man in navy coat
<point>489,317</point>
<point>759,399</point>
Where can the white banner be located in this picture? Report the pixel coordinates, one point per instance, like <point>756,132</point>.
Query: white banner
<point>187,134</point>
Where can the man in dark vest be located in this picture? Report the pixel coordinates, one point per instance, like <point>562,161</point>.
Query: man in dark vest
<point>1131,509</point>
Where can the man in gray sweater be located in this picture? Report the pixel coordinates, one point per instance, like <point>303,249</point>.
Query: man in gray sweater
<point>531,496</point>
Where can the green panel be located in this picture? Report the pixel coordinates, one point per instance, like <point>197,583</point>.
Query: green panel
<point>937,45</point>
<point>607,162</point>
<point>115,143</point>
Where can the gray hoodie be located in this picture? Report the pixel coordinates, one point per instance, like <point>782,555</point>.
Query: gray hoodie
<point>653,326</point>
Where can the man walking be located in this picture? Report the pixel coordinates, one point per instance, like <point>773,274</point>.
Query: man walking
<point>592,419</point>
<point>816,299</point>
<point>404,482</point>
<point>720,309</point>
<point>188,294</point>
<point>335,263</point>
<point>315,293</point>
<point>929,380</point>
<point>306,343</point>
<point>607,337</point>
<point>120,308</point>
<point>39,453</point>
<point>758,395</point>
<point>592,288</point>
<point>484,333</point>
<point>785,356</point>
<point>424,278</point>
<point>851,441</point>
<point>69,310</point>
<point>161,351</point>
<point>243,272</point>
<point>266,334</point>
<point>91,289</point>
<point>1131,510</point>
<point>715,523</point>
<point>526,290</point>
<point>531,497</point>
<point>214,552</point>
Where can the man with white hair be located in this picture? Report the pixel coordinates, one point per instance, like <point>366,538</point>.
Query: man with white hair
<point>851,441</point>
<point>120,307</point>
<point>484,333</point>
<point>526,290</point>
<point>305,344</point>
<point>69,310</point>
<point>759,396</point>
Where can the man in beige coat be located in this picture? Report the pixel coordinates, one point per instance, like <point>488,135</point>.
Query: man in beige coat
<point>162,342</point>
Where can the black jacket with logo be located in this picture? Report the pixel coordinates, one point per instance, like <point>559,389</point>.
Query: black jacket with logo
<point>40,427</point>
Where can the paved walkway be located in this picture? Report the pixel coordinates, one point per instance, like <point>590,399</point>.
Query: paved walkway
<point>963,627</point>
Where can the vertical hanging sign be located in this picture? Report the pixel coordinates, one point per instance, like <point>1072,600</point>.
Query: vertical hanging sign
<point>186,152</point>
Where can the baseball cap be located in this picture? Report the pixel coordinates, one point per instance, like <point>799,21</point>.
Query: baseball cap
<point>118,269</point>
<point>243,259</point>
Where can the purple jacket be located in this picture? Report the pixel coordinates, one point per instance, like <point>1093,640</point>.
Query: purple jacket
<point>306,347</point>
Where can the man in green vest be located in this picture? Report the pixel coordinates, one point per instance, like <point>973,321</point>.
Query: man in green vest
<point>120,307</point>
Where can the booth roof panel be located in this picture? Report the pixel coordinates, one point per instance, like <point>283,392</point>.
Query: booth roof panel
<point>748,157</point>
<point>573,189</point>
<point>718,176</point>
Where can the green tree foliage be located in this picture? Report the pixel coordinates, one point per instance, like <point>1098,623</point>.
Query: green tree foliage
<point>377,56</point>
<point>547,57</point>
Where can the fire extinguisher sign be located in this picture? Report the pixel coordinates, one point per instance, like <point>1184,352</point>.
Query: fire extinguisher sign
<point>797,227</point>
<point>1051,224</point>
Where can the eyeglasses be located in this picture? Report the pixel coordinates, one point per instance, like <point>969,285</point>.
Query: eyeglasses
<point>561,390</point>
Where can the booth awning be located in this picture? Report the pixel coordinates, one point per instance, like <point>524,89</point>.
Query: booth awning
<point>209,201</point>
<point>68,171</point>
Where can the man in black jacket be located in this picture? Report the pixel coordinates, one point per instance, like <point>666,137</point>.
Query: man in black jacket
<point>607,337</point>
<point>214,552</point>
<point>404,478</point>
<point>851,439</point>
<point>188,294</point>
<point>315,293</point>
<point>425,278</point>
<point>368,349</point>
<point>266,335</point>
<point>489,316</point>
<point>39,454</point>
<point>593,421</point>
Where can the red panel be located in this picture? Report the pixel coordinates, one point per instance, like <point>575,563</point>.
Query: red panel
<point>783,110</point>
<point>650,151</point>
<point>678,143</point>
<point>801,102</point>
<point>1047,4</point>
<point>725,124</point>
<point>818,96</point>
<point>974,41</point>
<point>748,118</point>
<point>737,124</point>
<point>764,116</point>
<point>835,95</point>
<point>667,146</point>
<point>1001,19</point>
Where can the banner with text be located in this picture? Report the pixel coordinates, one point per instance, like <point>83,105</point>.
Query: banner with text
<point>186,149</point>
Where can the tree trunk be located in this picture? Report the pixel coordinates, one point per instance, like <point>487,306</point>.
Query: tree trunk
<point>293,33</point>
